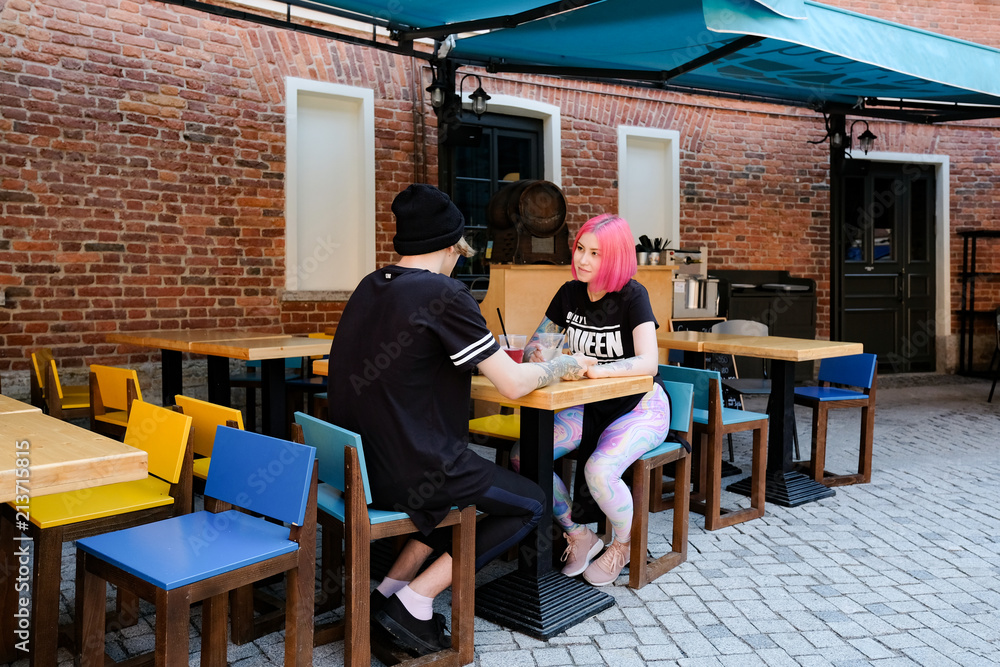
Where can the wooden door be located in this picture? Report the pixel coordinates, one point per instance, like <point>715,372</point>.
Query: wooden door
<point>883,260</point>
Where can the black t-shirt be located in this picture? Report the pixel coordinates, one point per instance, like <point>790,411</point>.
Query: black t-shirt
<point>601,328</point>
<point>400,376</point>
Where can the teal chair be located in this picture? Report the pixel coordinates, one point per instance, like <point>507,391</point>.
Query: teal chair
<point>712,421</point>
<point>647,472</point>
<point>850,374</point>
<point>202,556</point>
<point>343,501</point>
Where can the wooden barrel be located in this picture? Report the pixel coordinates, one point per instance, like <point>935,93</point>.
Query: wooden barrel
<point>496,209</point>
<point>536,206</point>
<point>540,207</point>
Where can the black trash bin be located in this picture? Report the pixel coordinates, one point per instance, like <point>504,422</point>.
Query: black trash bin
<point>786,304</point>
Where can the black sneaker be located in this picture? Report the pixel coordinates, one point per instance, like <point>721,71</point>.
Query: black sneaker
<point>418,637</point>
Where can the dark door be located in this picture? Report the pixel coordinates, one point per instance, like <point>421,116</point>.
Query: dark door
<point>884,262</point>
<point>485,155</point>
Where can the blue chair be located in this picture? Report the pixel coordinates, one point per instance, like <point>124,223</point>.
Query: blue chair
<point>204,555</point>
<point>713,421</point>
<point>647,472</point>
<point>850,374</point>
<point>343,500</point>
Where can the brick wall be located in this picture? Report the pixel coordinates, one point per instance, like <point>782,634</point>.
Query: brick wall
<point>142,170</point>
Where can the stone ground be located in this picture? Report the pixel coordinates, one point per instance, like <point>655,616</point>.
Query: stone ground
<point>902,571</point>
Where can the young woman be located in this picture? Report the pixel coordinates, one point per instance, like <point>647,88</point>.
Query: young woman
<point>604,314</point>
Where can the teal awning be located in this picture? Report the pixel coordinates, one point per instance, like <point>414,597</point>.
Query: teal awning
<point>789,51</point>
<point>808,53</point>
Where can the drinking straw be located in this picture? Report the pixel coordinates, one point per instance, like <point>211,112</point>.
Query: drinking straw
<point>502,328</point>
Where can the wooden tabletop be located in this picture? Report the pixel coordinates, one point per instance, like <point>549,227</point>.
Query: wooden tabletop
<point>689,341</point>
<point>9,405</point>
<point>783,349</point>
<point>61,456</point>
<point>274,347</point>
<point>769,347</point>
<point>564,394</point>
<point>553,397</point>
<point>182,341</point>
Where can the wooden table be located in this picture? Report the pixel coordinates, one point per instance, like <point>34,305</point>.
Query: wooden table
<point>220,345</point>
<point>9,405</point>
<point>536,599</point>
<point>785,486</point>
<point>61,457</point>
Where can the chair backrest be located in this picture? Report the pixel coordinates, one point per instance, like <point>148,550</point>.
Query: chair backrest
<point>207,417</point>
<point>698,378</point>
<point>266,475</point>
<point>856,370</point>
<point>163,434</point>
<point>112,382</point>
<point>55,392</point>
<point>329,441</point>
<point>681,403</point>
<point>740,328</point>
<point>40,359</point>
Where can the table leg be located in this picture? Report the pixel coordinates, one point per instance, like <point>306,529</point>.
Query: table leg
<point>272,397</point>
<point>535,599</point>
<point>171,376</point>
<point>219,391</point>
<point>785,486</point>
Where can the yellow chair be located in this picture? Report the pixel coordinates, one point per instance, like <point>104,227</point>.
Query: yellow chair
<point>112,391</point>
<point>64,517</point>
<point>206,418</point>
<point>64,401</point>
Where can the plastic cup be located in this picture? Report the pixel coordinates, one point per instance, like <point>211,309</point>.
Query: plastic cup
<point>513,345</point>
<point>550,345</point>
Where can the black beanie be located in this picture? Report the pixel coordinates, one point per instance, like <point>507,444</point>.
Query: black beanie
<point>426,220</point>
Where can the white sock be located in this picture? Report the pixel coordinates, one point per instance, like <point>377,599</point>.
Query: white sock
<point>421,606</point>
<point>388,587</point>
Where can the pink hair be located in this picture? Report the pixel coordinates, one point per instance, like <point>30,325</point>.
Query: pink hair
<point>614,238</point>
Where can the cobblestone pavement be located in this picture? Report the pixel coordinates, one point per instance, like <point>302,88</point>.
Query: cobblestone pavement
<point>902,571</point>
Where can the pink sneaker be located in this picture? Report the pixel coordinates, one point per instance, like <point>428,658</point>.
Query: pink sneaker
<point>582,547</point>
<point>606,569</point>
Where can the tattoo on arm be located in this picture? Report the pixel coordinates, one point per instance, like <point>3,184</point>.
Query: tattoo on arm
<point>559,367</point>
<point>620,365</point>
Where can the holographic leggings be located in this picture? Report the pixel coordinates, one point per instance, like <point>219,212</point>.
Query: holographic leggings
<point>623,442</point>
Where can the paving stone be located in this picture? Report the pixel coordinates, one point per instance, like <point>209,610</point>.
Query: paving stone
<point>901,572</point>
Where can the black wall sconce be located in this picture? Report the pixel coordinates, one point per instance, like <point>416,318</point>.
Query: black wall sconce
<point>443,95</point>
<point>845,140</point>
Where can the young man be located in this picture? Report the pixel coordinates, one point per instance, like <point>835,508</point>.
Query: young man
<point>400,376</point>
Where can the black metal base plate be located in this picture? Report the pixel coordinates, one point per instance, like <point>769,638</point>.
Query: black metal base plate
<point>539,607</point>
<point>789,489</point>
<point>728,469</point>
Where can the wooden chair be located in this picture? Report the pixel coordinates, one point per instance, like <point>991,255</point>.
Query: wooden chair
<point>711,422</point>
<point>62,517</point>
<point>206,418</point>
<point>647,472</point>
<point>211,553</point>
<point>63,401</point>
<point>343,501</point>
<point>861,372</point>
<point>112,391</point>
<point>748,386</point>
